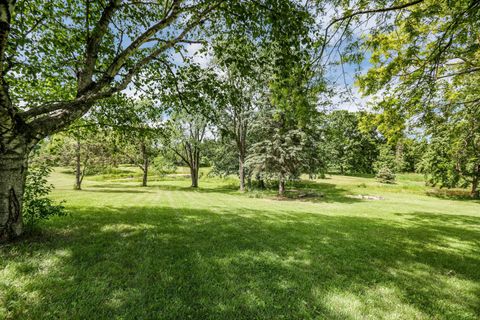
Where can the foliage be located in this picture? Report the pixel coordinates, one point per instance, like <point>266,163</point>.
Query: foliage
<point>425,74</point>
<point>279,154</point>
<point>36,204</point>
<point>95,148</point>
<point>351,149</point>
<point>163,166</point>
<point>224,158</point>
<point>386,159</point>
<point>451,158</point>
<point>385,175</point>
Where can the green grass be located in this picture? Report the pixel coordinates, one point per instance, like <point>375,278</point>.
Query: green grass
<point>170,252</point>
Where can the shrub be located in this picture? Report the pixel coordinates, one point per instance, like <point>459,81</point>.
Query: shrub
<point>36,204</point>
<point>385,175</point>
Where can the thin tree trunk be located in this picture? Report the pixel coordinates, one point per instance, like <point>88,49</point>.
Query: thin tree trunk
<point>261,182</point>
<point>145,174</point>
<point>475,193</point>
<point>399,156</point>
<point>78,167</point>
<point>145,165</point>
<point>281,185</point>
<point>13,172</point>
<point>241,171</point>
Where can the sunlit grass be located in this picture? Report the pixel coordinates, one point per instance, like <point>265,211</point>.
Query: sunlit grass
<point>171,252</point>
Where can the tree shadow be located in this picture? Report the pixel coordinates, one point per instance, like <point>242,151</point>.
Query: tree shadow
<point>317,192</point>
<point>161,262</point>
<point>113,190</point>
<point>357,175</point>
<point>452,194</point>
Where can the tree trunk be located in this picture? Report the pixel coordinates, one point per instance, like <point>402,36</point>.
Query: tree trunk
<point>194,176</point>
<point>241,171</point>
<point>261,182</point>
<point>475,193</point>
<point>78,167</point>
<point>145,165</point>
<point>399,156</point>
<point>13,172</point>
<point>281,185</point>
<point>145,174</point>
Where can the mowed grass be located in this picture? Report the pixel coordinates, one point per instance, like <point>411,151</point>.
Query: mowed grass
<point>170,252</point>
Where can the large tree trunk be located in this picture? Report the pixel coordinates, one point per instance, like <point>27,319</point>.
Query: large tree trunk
<point>13,172</point>
<point>78,167</point>
<point>145,165</point>
<point>241,171</point>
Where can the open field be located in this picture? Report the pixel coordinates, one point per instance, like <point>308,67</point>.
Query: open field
<point>170,252</point>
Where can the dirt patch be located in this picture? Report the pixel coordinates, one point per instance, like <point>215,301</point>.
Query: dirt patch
<point>366,197</point>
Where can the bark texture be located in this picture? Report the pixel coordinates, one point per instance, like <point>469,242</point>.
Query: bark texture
<point>194,175</point>
<point>13,171</point>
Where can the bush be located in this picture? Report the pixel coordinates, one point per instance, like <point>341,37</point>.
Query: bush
<point>385,175</point>
<point>36,204</point>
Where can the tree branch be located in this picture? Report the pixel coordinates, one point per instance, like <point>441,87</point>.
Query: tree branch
<point>93,44</point>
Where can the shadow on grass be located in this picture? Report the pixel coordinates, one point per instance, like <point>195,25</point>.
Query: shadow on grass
<point>112,190</point>
<point>158,262</point>
<point>310,191</point>
<point>313,191</point>
<point>358,175</point>
<point>452,194</point>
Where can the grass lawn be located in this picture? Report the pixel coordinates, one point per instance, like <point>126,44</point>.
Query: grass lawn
<point>169,252</point>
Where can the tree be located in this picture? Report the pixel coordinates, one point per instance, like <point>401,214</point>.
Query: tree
<point>352,149</point>
<point>280,152</point>
<point>58,58</point>
<point>452,157</point>
<point>185,140</point>
<point>426,66</point>
<point>136,131</point>
<point>239,59</point>
<point>87,151</point>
